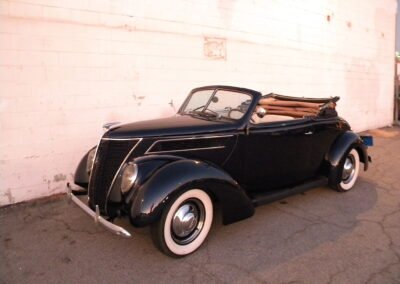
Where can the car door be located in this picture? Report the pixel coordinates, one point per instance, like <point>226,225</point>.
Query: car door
<point>278,154</point>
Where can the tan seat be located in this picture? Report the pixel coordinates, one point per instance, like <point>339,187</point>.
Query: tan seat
<point>270,118</point>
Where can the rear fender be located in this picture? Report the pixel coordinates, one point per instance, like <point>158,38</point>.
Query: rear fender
<point>342,146</point>
<point>166,183</point>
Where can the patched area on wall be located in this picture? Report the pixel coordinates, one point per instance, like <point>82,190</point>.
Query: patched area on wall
<point>215,48</point>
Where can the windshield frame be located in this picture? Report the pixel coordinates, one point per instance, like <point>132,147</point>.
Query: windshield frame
<point>254,96</point>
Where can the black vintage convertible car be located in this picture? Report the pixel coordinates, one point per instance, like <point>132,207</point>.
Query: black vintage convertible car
<point>226,145</point>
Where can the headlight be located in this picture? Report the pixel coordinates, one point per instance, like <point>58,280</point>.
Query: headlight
<point>90,160</point>
<point>129,175</point>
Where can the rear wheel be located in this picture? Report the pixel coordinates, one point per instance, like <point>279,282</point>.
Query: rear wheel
<point>184,224</point>
<point>348,173</point>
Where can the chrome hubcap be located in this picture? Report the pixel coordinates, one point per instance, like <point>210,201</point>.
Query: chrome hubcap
<point>185,220</point>
<point>188,221</point>
<point>348,169</point>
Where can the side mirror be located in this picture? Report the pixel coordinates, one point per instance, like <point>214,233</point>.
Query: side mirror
<point>261,112</point>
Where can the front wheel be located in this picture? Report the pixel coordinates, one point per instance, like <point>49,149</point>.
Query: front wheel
<point>348,173</point>
<point>184,224</point>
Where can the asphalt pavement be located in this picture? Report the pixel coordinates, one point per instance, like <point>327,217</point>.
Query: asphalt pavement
<point>321,236</point>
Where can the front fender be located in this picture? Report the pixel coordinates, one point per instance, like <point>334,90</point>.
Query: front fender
<point>147,165</point>
<point>81,176</point>
<point>166,183</point>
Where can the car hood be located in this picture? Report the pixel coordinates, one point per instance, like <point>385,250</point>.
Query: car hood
<point>171,126</point>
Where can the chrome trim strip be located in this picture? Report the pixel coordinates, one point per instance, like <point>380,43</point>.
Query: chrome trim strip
<point>187,138</point>
<point>119,139</point>
<point>120,167</point>
<point>184,150</point>
<point>94,161</point>
<point>96,215</point>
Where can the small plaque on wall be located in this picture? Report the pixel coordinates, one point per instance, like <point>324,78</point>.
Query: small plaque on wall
<point>215,48</point>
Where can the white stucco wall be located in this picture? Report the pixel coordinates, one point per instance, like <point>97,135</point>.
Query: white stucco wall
<point>67,67</point>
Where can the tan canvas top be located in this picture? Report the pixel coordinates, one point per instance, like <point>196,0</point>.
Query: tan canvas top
<point>296,107</point>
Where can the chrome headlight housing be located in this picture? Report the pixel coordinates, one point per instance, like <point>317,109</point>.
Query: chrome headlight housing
<point>128,177</point>
<point>90,160</point>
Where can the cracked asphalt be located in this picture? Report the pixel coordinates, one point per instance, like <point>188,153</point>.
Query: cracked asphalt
<point>318,237</point>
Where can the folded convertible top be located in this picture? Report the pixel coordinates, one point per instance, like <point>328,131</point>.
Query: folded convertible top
<point>299,107</point>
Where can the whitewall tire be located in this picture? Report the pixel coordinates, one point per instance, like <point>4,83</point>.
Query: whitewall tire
<point>350,168</point>
<point>184,224</point>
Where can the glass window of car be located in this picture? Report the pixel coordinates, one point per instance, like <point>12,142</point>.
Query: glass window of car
<point>221,104</point>
<point>198,100</point>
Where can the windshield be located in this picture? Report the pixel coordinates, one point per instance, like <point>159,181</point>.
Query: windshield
<point>219,105</point>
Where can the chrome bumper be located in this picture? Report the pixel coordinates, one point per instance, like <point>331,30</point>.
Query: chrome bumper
<point>96,215</point>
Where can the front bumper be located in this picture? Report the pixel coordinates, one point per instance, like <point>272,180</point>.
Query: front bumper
<point>96,215</point>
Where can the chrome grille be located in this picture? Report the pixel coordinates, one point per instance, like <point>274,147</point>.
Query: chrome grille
<point>110,154</point>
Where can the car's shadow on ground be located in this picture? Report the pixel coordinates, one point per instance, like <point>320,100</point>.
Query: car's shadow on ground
<point>289,228</point>
<point>276,233</point>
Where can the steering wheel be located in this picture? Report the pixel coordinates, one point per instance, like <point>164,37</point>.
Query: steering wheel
<point>233,110</point>
<point>205,110</point>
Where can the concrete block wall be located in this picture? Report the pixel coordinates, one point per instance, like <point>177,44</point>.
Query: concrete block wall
<point>68,67</point>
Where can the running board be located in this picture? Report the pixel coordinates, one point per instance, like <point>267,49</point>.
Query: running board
<point>271,196</point>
